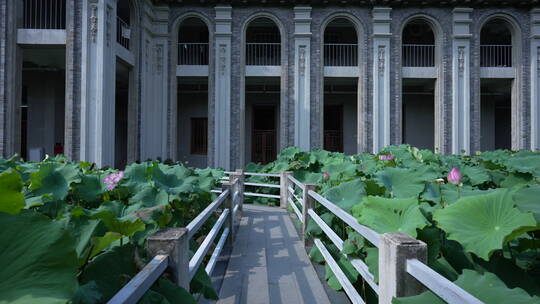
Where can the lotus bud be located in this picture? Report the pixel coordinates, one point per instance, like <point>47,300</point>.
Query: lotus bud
<point>326,175</point>
<point>454,176</point>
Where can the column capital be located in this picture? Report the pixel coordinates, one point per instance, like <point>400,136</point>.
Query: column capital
<point>302,21</point>
<point>382,17</point>
<point>461,27</point>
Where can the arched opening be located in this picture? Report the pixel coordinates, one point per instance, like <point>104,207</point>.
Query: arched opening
<point>193,38</point>
<point>262,90</point>
<point>263,43</point>
<point>418,84</point>
<point>340,119</point>
<point>192,93</point>
<point>496,54</point>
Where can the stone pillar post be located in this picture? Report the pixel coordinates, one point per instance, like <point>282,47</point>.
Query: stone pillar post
<point>302,75</point>
<point>535,79</point>
<point>173,242</point>
<point>222,79</point>
<point>98,78</point>
<point>381,77</point>
<point>394,251</point>
<point>461,78</point>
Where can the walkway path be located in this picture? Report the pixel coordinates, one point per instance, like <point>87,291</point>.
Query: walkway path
<point>268,263</point>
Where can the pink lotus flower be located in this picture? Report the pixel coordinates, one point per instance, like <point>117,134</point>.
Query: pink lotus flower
<point>454,176</point>
<point>326,175</point>
<point>386,157</point>
<point>113,179</point>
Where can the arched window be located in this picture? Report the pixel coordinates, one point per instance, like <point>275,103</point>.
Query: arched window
<point>496,44</point>
<point>263,43</point>
<point>418,45</point>
<point>44,14</point>
<point>193,38</point>
<point>340,43</point>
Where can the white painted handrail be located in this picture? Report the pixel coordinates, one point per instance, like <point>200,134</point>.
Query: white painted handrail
<point>296,210</point>
<point>199,255</point>
<point>440,285</point>
<point>217,251</point>
<point>296,182</point>
<point>366,232</point>
<point>138,286</point>
<point>354,296</point>
<point>262,185</point>
<point>198,221</point>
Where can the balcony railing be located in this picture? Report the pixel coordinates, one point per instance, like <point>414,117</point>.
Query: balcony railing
<point>44,14</point>
<point>340,54</point>
<point>193,54</point>
<point>263,53</point>
<point>123,33</point>
<point>495,55</point>
<point>418,55</point>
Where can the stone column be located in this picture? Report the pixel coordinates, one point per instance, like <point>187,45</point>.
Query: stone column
<point>461,78</point>
<point>302,75</point>
<point>222,84</point>
<point>10,77</point>
<point>535,79</point>
<point>154,68</point>
<point>73,74</point>
<point>98,78</point>
<point>381,77</point>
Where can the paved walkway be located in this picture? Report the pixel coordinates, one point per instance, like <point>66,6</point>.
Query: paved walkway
<point>268,263</point>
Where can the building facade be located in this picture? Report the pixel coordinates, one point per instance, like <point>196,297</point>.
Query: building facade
<point>223,83</point>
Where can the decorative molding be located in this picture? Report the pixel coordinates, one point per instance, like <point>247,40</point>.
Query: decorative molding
<point>461,60</point>
<point>108,29</point>
<point>146,55</point>
<point>222,58</point>
<point>538,60</point>
<point>159,58</point>
<point>381,54</point>
<point>302,60</point>
<point>93,21</point>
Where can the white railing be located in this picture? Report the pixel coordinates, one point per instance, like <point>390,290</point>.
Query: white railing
<point>393,256</point>
<point>170,247</point>
<point>418,55</point>
<point>495,55</point>
<point>340,54</point>
<point>193,53</point>
<point>44,14</point>
<point>241,174</point>
<point>123,33</point>
<point>263,54</point>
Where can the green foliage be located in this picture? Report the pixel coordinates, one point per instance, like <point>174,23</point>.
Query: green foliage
<point>67,237</point>
<point>484,232</point>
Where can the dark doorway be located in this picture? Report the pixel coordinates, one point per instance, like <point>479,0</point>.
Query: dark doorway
<point>263,142</point>
<point>121,115</point>
<point>418,113</point>
<point>333,128</point>
<point>496,109</point>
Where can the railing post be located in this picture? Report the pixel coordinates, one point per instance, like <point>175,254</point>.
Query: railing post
<point>174,243</point>
<point>394,251</point>
<point>242,178</point>
<point>284,188</point>
<point>228,203</point>
<point>308,202</point>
